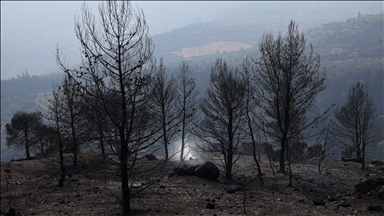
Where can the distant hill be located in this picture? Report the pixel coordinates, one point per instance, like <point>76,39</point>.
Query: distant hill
<point>355,38</point>
<point>359,38</point>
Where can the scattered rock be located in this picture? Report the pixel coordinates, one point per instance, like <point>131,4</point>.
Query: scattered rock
<point>318,202</point>
<point>183,170</point>
<point>210,206</point>
<point>345,204</point>
<point>7,170</point>
<point>374,208</point>
<point>151,157</point>
<point>207,170</point>
<point>357,160</point>
<point>136,185</point>
<point>364,186</point>
<point>233,189</point>
<point>11,212</point>
<point>377,162</point>
<point>381,193</point>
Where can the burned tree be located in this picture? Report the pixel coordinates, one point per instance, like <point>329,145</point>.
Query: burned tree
<point>69,96</point>
<point>251,112</point>
<point>356,124</point>
<point>288,81</point>
<point>54,116</point>
<point>46,139</point>
<point>22,130</point>
<point>223,116</point>
<point>187,103</point>
<point>163,104</point>
<point>117,62</point>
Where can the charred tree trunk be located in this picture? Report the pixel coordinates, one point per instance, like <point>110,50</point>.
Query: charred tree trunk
<point>102,145</point>
<point>282,154</point>
<point>182,135</point>
<point>26,144</point>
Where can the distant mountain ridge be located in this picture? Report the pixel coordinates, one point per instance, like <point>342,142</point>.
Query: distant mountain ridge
<point>354,38</point>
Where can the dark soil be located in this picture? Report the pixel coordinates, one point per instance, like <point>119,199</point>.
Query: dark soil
<point>30,187</point>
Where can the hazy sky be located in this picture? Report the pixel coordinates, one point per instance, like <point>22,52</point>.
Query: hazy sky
<point>30,30</point>
<point>36,26</point>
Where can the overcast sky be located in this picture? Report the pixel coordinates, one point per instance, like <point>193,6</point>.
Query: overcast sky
<point>30,30</point>
<point>37,26</point>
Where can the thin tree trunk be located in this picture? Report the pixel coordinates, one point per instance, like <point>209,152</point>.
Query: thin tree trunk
<point>253,143</point>
<point>289,166</point>
<point>62,168</point>
<point>228,171</point>
<point>124,177</point>
<point>282,154</point>
<point>165,137</point>
<point>26,144</point>
<point>74,140</point>
<point>102,145</point>
<point>254,152</point>
<point>124,140</point>
<point>182,136</point>
<point>363,158</point>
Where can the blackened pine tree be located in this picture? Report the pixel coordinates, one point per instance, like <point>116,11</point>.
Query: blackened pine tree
<point>163,103</point>
<point>222,128</point>
<point>288,81</point>
<point>72,113</point>
<point>54,116</point>
<point>47,138</point>
<point>117,62</point>
<point>251,113</point>
<point>186,103</point>
<point>22,130</point>
<point>357,121</point>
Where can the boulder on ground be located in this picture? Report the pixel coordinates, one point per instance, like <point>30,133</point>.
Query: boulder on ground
<point>377,162</point>
<point>381,193</point>
<point>233,189</point>
<point>375,208</point>
<point>11,212</point>
<point>207,170</point>
<point>357,160</point>
<point>183,170</point>
<point>318,202</point>
<point>364,186</point>
<point>210,206</point>
<point>151,157</point>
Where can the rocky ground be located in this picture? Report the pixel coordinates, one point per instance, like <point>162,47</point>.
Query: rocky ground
<point>30,187</point>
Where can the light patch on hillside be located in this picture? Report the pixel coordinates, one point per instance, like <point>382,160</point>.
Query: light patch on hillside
<point>212,48</point>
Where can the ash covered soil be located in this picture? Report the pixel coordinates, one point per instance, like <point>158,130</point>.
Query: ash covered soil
<point>93,188</point>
